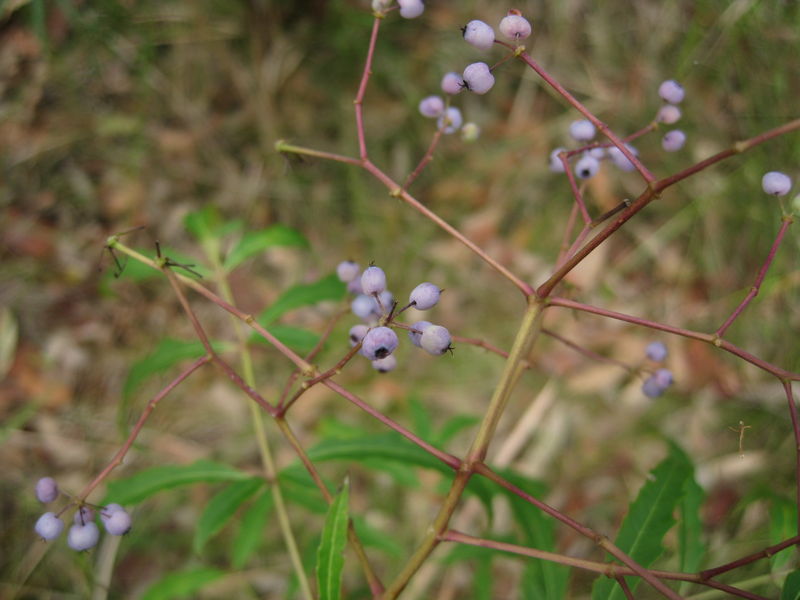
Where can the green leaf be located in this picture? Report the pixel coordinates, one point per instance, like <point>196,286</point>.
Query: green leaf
<point>146,483</point>
<point>649,518</point>
<point>222,507</point>
<point>420,418</point>
<point>387,446</point>
<point>298,487</point>
<point>182,585</point>
<point>327,288</point>
<point>691,548</point>
<point>782,525</point>
<point>253,242</point>
<point>167,354</point>
<point>205,223</point>
<point>301,341</point>
<point>251,530</point>
<point>454,426</point>
<point>482,580</point>
<point>373,538</point>
<point>330,554</point>
<point>791,587</point>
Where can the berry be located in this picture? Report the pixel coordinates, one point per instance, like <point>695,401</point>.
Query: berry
<point>555,162</point>
<point>452,83</point>
<point>83,515</point>
<point>663,377</point>
<point>619,159</point>
<point>49,526</point>
<point>450,121</point>
<point>587,167</point>
<point>357,333</point>
<point>379,342</point>
<point>470,132</point>
<point>514,26</point>
<point>431,107</point>
<point>651,388</point>
<point>478,34</point>
<point>115,519</point>
<point>411,9</point>
<point>386,364</point>
<point>668,114</point>
<point>424,296</point>
<point>776,183</point>
<point>671,91</point>
<point>46,490</point>
<point>363,306</point>
<point>383,303</point>
<point>656,351</point>
<point>478,78</point>
<point>83,537</point>
<point>673,140</point>
<point>347,270</point>
<point>373,280</point>
<point>435,340</point>
<point>583,130</point>
<point>354,285</point>
<point>597,153</point>
<point>415,333</point>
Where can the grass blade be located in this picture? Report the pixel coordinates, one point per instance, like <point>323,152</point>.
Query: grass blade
<point>330,554</point>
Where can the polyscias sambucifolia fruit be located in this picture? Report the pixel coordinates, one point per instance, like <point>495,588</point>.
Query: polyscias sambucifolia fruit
<point>83,515</point>
<point>411,9</point>
<point>620,160</point>
<point>514,26</point>
<point>582,130</point>
<point>116,519</point>
<point>450,121</point>
<point>46,490</point>
<point>668,114</point>
<point>776,183</point>
<point>83,537</point>
<point>435,340</point>
<point>385,364</point>
<point>671,91</point>
<point>452,83</point>
<point>673,140</point>
<point>415,333</point>
<point>357,333</point>
<point>478,34</point>
<point>478,78</point>
<point>379,342</point>
<point>373,280</point>
<point>656,351</point>
<point>49,526</point>
<point>555,161</point>
<point>347,271</point>
<point>424,296</point>
<point>587,167</point>
<point>431,107</point>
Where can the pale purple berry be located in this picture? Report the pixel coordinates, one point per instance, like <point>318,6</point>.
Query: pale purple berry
<point>117,521</point>
<point>415,333</point>
<point>671,91</point>
<point>555,161</point>
<point>651,388</point>
<point>668,114</point>
<point>478,78</point>
<point>514,26</point>
<point>435,340</point>
<point>363,306</point>
<point>597,152</point>
<point>411,9</point>
<point>347,270</point>
<point>379,342</point>
<point>373,280</point>
<point>656,351</point>
<point>431,107</point>
<point>424,296</point>
<point>83,515</point>
<point>385,364</point>
<point>357,333</point>
<point>582,130</point>
<point>354,285</point>
<point>620,160</point>
<point>107,510</point>
<point>46,490</point>
<point>587,167</point>
<point>49,526</point>
<point>479,34</point>
<point>450,121</point>
<point>470,132</point>
<point>83,537</point>
<point>673,140</point>
<point>383,303</point>
<point>663,377</point>
<point>452,83</point>
<point>776,183</point>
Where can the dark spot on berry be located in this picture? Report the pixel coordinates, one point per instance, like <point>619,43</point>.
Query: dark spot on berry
<point>382,352</point>
<point>585,173</point>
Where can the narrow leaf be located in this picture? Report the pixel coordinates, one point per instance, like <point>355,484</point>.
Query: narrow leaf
<point>782,525</point>
<point>254,242</point>
<point>327,288</point>
<point>330,554</point>
<point>791,587</point>
<point>691,547</point>
<point>168,353</point>
<point>182,585</point>
<point>374,538</point>
<point>222,507</point>
<point>251,530</point>
<point>144,484</point>
<point>301,341</point>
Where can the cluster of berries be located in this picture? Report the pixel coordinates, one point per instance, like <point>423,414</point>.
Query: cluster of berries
<point>661,379</point>
<point>375,305</point>
<point>476,77</point>
<point>84,533</point>
<point>584,131</point>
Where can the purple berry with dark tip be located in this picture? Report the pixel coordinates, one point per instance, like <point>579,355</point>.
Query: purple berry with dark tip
<point>411,9</point>
<point>452,83</point>
<point>479,34</point>
<point>620,160</point>
<point>587,167</point>
<point>651,388</point>
<point>46,490</point>
<point>83,515</point>
<point>673,140</point>
<point>83,537</point>
<point>478,78</point>
<point>385,364</point>
<point>656,351</point>
<point>415,333</point>
<point>347,271</point>
<point>663,377</point>
<point>671,91</point>
<point>435,340</point>
<point>357,333</point>
<point>431,107</point>
<point>379,342</point>
<point>425,296</point>
<point>583,130</point>
<point>117,521</point>
<point>373,280</point>
<point>363,306</point>
<point>776,183</point>
<point>49,526</point>
<point>514,26</point>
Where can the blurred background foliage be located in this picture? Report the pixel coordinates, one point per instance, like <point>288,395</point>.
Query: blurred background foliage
<point>115,114</point>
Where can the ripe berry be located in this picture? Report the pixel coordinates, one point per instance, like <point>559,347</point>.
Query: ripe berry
<point>514,26</point>
<point>663,377</point>
<point>415,334</point>
<point>386,364</point>
<point>384,302</point>
<point>435,339</point>
<point>450,121</point>
<point>83,537</point>
<point>424,296</point>
<point>619,159</point>
<point>478,34</point>
<point>431,107</point>
<point>411,9</point>
<point>379,342</point>
<point>354,285</point>
<point>452,83</point>
<point>656,351</point>
<point>357,333</point>
<point>347,270</point>
<point>478,78</point>
<point>115,519</point>
<point>776,183</point>
<point>673,140</point>
<point>363,307</point>
<point>373,280</point>
<point>555,162</point>
<point>49,526</point>
<point>46,490</point>
<point>470,132</point>
<point>583,130</point>
<point>668,114</point>
<point>83,515</point>
<point>671,91</point>
<point>651,388</point>
<point>587,167</point>
<point>597,153</point>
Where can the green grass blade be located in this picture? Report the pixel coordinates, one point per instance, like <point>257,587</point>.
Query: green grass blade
<point>791,587</point>
<point>222,507</point>
<point>254,242</point>
<point>330,554</point>
<point>251,530</point>
<point>182,585</point>
<point>327,288</point>
<point>691,545</point>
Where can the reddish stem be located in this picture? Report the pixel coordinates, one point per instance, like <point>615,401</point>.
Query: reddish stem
<point>428,157</point>
<point>362,89</point>
<point>750,558</point>
<point>787,388</point>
